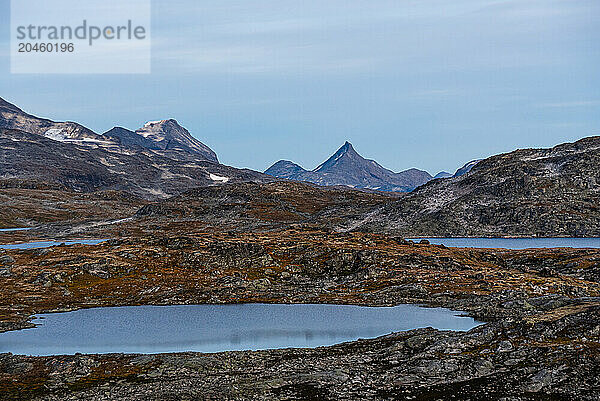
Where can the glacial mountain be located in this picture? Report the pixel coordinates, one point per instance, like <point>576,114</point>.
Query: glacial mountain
<point>167,137</point>
<point>530,192</point>
<point>129,139</point>
<point>346,167</point>
<point>159,160</point>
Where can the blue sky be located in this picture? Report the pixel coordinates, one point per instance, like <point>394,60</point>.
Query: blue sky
<point>411,83</point>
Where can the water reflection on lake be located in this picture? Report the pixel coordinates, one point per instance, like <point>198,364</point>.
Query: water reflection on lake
<point>215,328</point>
<point>48,244</point>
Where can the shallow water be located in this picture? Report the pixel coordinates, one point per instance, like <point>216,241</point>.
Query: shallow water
<point>14,229</point>
<point>215,328</point>
<point>48,244</point>
<point>516,243</point>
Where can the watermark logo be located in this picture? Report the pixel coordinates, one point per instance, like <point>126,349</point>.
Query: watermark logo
<point>80,36</point>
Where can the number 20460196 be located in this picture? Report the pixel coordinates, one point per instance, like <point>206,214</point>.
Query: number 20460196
<point>46,47</point>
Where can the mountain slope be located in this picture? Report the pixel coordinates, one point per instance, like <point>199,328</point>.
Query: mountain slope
<point>443,174</point>
<point>12,117</point>
<point>346,167</point>
<point>466,168</point>
<point>286,169</point>
<point>545,192</point>
<point>165,138</point>
<point>81,168</point>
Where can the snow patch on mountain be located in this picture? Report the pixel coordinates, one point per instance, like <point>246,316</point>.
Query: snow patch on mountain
<point>219,178</point>
<point>55,134</point>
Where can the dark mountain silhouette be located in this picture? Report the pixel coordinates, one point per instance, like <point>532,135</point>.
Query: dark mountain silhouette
<point>346,167</point>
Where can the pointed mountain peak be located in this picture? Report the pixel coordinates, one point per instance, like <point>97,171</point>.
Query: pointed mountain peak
<point>347,167</point>
<point>345,152</point>
<point>347,147</point>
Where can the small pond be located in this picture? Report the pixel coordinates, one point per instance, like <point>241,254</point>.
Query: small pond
<point>215,328</point>
<point>48,244</point>
<point>515,243</point>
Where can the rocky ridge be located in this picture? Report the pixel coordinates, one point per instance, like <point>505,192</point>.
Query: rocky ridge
<point>11,117</point>
<point>531,192</point>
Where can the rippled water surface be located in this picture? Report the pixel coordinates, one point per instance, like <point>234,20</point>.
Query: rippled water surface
<point>214,328</point>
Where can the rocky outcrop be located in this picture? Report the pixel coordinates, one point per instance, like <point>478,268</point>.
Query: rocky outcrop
<point>262,206</point>
<point>287,170</point>
<point>531,192</point>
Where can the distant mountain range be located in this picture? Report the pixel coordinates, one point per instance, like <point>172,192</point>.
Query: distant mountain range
<point>165,138</point>
<point>346,167</point>
<point>529,192</point>
<point>160,159</point>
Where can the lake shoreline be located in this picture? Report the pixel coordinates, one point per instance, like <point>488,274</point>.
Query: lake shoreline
<point>206,328</point>
<point>473,366</point>
<point>75,270</point>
